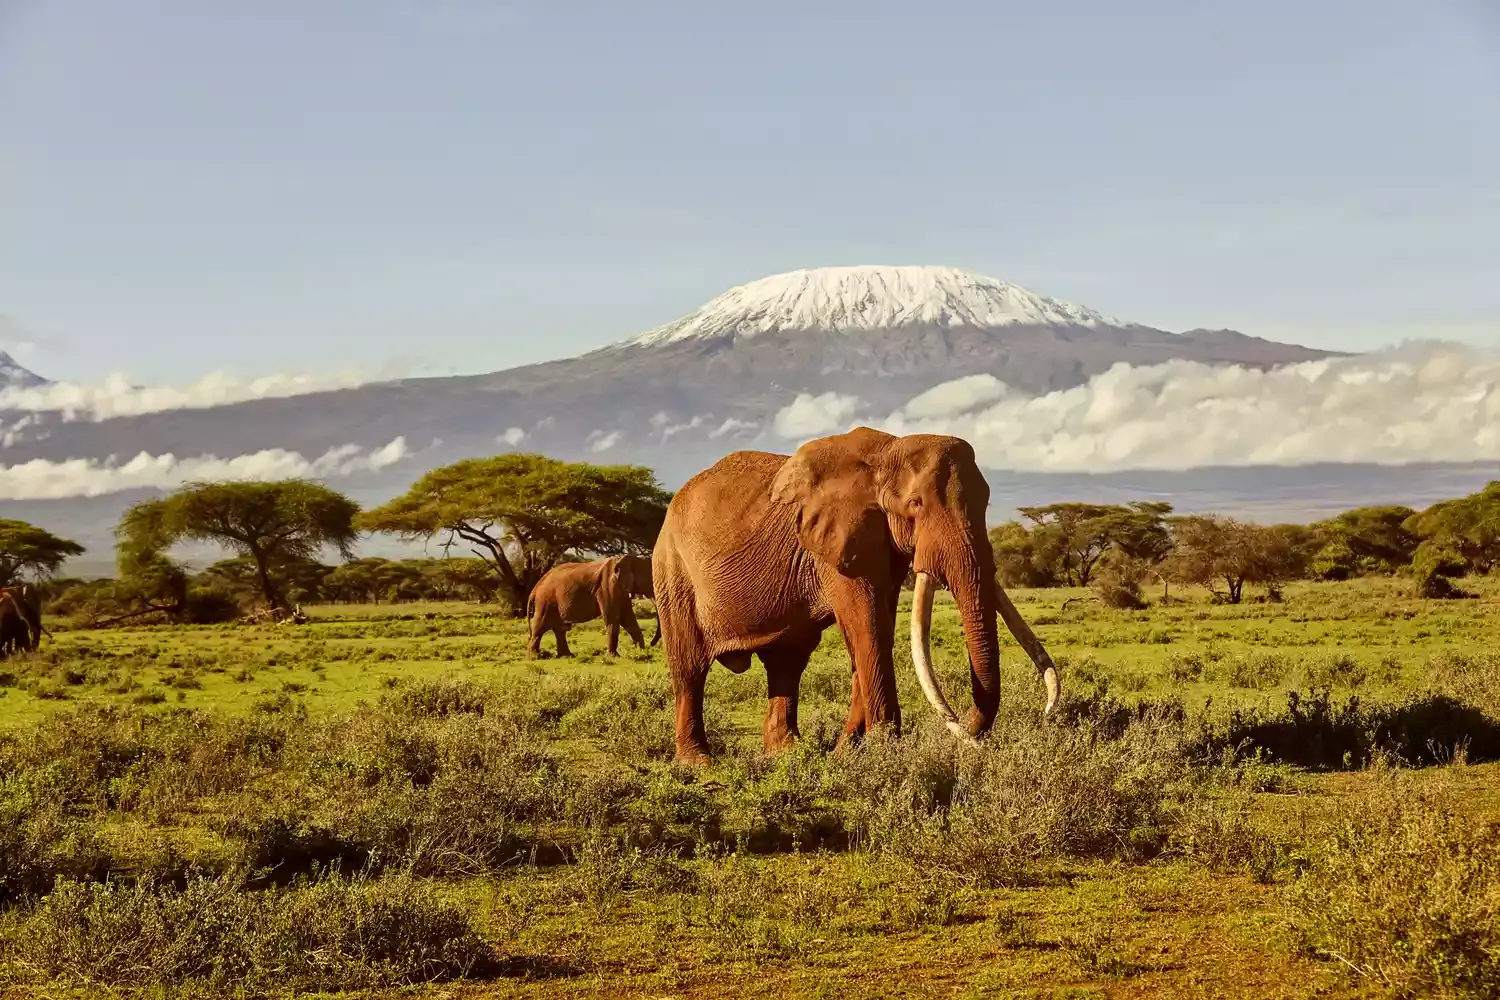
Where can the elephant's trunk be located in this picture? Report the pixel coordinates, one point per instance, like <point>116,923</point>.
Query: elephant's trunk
<point>921,656</point>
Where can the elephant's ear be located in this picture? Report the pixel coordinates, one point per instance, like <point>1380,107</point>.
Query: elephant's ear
<point>611,579</point>
<point>834,482</point>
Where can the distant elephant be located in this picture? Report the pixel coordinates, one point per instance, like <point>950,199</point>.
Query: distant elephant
<point>22,606</point>
<point>15,632</point>
<point>762,552</point>
<point>580,592</point>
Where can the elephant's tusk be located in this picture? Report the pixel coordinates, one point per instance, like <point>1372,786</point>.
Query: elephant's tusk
<point>921,657</point>
<point>1032,645</point>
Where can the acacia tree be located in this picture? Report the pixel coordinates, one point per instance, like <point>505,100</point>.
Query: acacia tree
<point>1207,549</point>
<point>276,525</point>
<point>524,513</point>
<point>1080,531</point>
<point>29,551</point>
<point>1365,540</point>
<point>1465,532</point>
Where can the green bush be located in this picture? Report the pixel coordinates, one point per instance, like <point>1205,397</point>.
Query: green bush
<point>328,933</point>
<point>1406,895</point>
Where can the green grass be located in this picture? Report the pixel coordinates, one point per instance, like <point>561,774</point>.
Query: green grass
<point>1364,634</point>
<point>530,810</point>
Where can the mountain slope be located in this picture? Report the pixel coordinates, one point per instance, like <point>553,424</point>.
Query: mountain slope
<point>681,395</point>
<point>14,376</point>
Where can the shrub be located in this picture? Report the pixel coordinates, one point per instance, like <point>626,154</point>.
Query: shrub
<point>442,697</point>
<point>1317,731</point>
<point>1257,671</point>
<point>1117,582</point>
<point>329,933</point>
<point>1335,670</point>
<point>1024,795</point>
<point>1406,894</point>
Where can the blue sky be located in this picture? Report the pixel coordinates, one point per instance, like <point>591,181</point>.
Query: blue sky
<point>452,185</point>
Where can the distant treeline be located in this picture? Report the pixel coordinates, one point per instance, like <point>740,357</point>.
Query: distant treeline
<point>521,514</point>
<point>1117,549</point>
<point>232,585</point>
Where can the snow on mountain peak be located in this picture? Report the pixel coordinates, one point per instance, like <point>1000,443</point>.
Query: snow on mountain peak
<point>871,298</point>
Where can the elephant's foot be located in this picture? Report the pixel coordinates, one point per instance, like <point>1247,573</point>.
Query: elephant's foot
<point>779,738</point>
<point>694,756</point>
<point>779,730</point>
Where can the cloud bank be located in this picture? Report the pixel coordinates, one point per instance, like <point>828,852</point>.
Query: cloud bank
<point>1417,403</point>
<point>117,397</point>
<point>81,477</point>
<point>809,416</point>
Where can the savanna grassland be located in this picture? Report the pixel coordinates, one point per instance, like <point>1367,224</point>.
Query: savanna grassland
<point>1260,800</point>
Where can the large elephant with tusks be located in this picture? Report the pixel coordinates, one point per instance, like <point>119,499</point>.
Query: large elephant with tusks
<point>580,592</point>
<point>762,552</point>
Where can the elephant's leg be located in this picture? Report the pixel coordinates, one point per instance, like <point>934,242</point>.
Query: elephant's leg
<point>612,639</point>
<point>784,667</point>
<point>560,632</point>
<point>692,736</point>
<point>857,720</point>
<point>657,637</point>
<point>863,612</point>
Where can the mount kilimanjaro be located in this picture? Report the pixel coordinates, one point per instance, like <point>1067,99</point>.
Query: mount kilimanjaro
<point>676,397</point>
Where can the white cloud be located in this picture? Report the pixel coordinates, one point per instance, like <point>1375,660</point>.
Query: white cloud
<point>84,477</point>
<point>672,430</point>
<point>809,416</point>
<point>117,397</point>
<point>959,396</point>
<point>1419,402</point>
<point>732,426</point>
<point>546,423</point>
<point>512,436</point>
<point>600,441</point>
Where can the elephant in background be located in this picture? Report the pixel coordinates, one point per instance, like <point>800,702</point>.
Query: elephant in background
<point>762,552</point>
<point>20,618</point>
<point>580,592</point>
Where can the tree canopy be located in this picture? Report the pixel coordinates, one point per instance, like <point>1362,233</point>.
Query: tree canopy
<point>276,525</point>
<point>1465,530</point>
<point>1364,540</point>
<point>1067,541</point>
<point>524,513</point>
<point>29,551</point>
<point>1207,549</point>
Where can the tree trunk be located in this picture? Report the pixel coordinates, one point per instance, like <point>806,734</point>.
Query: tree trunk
<point>267,585</point>
<point>512,592</point>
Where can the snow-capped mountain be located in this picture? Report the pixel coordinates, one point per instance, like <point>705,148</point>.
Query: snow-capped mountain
<point>872,298</point>
<point>14,376</point>
<point>865,340</point>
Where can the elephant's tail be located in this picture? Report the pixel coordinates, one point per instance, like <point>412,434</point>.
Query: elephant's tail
<point>530,609</point>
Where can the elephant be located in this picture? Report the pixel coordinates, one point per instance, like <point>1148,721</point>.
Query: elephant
<point>761,552</point>
<point>15,630</point>
<point>21,625</point>
<point>580,592</point>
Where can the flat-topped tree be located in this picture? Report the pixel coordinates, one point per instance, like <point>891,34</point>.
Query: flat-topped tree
<point>27,551</point>
<point>274,524</point>
<point>524,513</point>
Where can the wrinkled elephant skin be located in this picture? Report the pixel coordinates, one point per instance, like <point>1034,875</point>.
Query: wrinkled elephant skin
<point>760,553</point>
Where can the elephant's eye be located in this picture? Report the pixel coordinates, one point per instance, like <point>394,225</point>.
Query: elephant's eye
<point>915,501</point>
